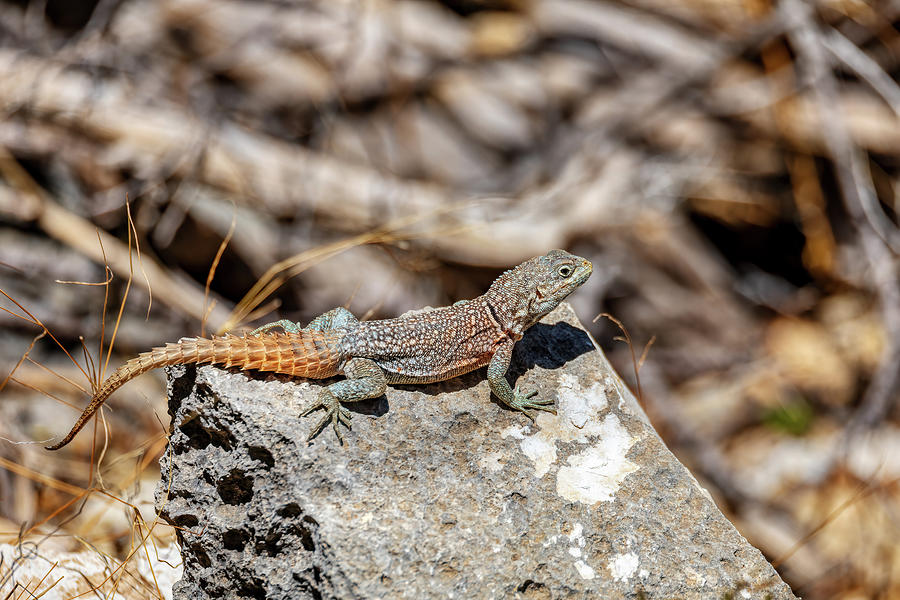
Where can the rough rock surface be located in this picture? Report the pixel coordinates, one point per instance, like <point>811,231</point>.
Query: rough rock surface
<point>443,493</point>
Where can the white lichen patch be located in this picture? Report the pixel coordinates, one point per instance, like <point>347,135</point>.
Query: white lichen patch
<point>576,552</point>
<point>623,566</point>
<point>745,593</point>
<point>579,407</point>
<point>584,570</point>
<point>541,451</point>
<point>514,431</point>
<point>578,419</point>
<point>595,474</point>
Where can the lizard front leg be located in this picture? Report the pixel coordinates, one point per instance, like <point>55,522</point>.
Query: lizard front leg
<point>515,399</point>
<point>365,379</point>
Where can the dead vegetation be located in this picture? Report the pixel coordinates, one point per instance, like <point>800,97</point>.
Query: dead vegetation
<point>731,167</point>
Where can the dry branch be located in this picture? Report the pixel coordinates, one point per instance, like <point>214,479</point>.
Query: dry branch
<point>856,189</point>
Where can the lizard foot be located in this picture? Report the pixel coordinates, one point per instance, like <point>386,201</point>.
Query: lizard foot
<point>334,412</point>
<point>522,402</point>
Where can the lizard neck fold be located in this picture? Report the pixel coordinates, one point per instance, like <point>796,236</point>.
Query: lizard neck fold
<point>507,312</point>
<point>508,300</point>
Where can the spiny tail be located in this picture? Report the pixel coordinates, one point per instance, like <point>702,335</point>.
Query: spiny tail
<point>312,354</point>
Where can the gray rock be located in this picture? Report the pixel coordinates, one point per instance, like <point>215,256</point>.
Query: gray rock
<point>443,493</point>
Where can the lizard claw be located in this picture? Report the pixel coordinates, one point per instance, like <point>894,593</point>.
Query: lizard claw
<point>334,412</point>
<point>522,402</point>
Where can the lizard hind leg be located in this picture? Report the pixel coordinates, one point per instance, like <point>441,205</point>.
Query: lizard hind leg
<point>288,326</point>
<point>336,318</point>
<point>365,379</point>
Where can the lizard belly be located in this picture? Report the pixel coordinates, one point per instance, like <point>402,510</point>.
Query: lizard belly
<point>399,371</point>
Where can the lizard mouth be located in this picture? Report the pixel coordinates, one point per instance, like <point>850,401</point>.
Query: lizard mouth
<point>586,268</point>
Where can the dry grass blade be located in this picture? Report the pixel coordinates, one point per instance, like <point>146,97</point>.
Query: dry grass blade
<point>118,576</point>
<point>21,360</point>
<point>865,488</point>
<point>645,352</point>
<point>132,231</point>
<point>112,341</point>
<point>635,362</point>
<point>37,586</point>
<point>118,572</point>
<point>31,318</point>
<point>212,269</point>
<point>74,384</point>
<point>42,478</point>
<point>11,267</point>
<point>28,386</point>
<point>284,270</point>
<point>77,233</point>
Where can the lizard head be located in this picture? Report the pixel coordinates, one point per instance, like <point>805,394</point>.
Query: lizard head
<point>555,275</point>
<point>537,286</point>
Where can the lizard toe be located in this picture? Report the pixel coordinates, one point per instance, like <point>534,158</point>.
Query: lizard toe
<point>544,405</point>
<point>340,416</point>
<point>313,407</point>
<point>527,404</point>
<point>344,417</point>
<point>334,413</point>
<point>318,427</point>
<point>522,397</point>
<point>541,402</point>
<point>527,413</point>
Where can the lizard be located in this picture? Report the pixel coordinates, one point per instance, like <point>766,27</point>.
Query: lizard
<point>420,347</point>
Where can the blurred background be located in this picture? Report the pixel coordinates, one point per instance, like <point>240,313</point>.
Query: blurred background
<point>730,166</point>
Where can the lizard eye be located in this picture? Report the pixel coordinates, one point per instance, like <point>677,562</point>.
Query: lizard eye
<point>564,271</point>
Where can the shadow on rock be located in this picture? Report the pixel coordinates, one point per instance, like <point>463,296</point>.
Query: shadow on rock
<point>545,346</point>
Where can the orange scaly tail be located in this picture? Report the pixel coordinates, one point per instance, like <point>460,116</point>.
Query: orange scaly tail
<point>312,354</point>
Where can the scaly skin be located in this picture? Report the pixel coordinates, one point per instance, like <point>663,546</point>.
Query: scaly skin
<point>423,347</point>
